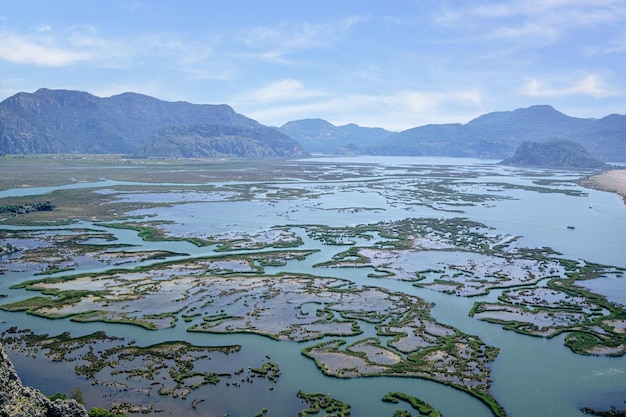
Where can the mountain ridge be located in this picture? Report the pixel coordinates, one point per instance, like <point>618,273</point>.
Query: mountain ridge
<point>319,135</point>
<point>497,135</point>
<point>67,121</point>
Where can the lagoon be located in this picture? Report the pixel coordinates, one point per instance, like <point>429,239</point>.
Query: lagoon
<point>529,208</point>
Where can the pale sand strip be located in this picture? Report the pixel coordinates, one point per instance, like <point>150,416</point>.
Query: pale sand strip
<point>612,181</point>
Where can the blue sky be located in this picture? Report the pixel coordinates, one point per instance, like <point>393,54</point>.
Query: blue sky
<point>396,64</point>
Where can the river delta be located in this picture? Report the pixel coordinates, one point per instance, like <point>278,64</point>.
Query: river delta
<point>361,286</point>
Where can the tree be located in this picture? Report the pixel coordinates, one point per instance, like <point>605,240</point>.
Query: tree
<point>77,394</point>
<point>58,396</point>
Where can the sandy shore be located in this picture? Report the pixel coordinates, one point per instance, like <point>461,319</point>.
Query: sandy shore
<point>612,181</point>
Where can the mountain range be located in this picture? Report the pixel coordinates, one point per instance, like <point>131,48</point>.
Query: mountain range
<point>65,121</point>
<point>62,121</point>
<point>494,135</point>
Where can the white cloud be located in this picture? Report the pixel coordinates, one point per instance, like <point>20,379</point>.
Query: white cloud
<point>288,37</point>
<point>284,90</point>
<point>590,85</point>
<point>546,19</point>
<point>46,47</point>
<point>584,10</point>
<point>528,30</point>
<point>22,50</point>
<point>43,28</point>
<point>396,111</point>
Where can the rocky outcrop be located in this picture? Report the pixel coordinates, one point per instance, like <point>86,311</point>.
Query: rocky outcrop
<point>554,154</point>
<point>16,400</point>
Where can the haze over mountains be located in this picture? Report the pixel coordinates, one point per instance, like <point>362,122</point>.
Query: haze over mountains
<point>494,135</point>
<point>62,121</point>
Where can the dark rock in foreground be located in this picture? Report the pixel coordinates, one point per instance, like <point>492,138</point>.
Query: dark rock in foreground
<point>18,400</point>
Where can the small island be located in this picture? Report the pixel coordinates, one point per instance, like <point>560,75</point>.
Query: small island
<point>554,154</point>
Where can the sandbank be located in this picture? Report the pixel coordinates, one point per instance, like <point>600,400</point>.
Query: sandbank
<point>613,181</point>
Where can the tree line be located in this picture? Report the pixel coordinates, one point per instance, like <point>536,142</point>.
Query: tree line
<point>27,208</point>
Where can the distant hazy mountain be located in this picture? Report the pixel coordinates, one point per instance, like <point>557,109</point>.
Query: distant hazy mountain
<point>605,138</point>
<point>317,135</point>
<point>61,121</point>
<point>494,135</point>
<point>553,154</point>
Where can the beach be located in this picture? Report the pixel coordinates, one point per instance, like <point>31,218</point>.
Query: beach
<point>613,181</point>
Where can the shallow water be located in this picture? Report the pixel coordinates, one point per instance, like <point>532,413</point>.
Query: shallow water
<point>531,376</point>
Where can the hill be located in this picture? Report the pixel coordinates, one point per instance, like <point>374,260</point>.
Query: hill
<point>62,121</point>
<point>317,135</point>
<point>554,154</point>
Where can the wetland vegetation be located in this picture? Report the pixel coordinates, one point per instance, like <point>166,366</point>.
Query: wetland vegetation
<point>340,258</point>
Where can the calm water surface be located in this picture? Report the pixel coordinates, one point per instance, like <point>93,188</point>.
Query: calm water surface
<point>532,376</point>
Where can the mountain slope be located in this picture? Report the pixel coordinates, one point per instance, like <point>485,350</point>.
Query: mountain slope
<point>493,135</point>
<point>605,138</point>
<point>61,121</point>
<point>210,141</point>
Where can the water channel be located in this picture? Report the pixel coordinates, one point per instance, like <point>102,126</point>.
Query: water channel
<point>531,377</point>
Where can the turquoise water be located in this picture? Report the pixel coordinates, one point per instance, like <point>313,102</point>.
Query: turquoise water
<point>531,376</point>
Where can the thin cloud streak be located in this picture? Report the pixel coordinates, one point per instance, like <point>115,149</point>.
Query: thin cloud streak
<point>398,111</point>
<point>284,90</point>
<point>591,85</point>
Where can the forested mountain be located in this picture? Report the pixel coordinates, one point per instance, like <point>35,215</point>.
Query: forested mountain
<point>554,154</point>
<point>218,141</point>
<point>62,121</point>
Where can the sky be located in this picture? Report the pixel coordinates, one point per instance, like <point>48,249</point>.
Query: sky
<point>394,64</point>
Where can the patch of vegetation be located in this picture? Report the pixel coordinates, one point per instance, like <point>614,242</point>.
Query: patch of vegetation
<point>173,362</point>
<point>270,370</point>
<point>318,402</point>
<point>612,412</point>
<point>27,208</point>
<point>591,322</point>
<point>423,408</point>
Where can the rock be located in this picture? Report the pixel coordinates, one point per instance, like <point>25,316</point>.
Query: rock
<point>554,154</point>
<point>16,400</point>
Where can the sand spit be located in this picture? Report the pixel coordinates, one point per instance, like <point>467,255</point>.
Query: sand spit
<point>613,181</point>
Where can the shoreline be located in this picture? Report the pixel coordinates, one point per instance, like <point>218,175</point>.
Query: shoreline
<point>613,181</point>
